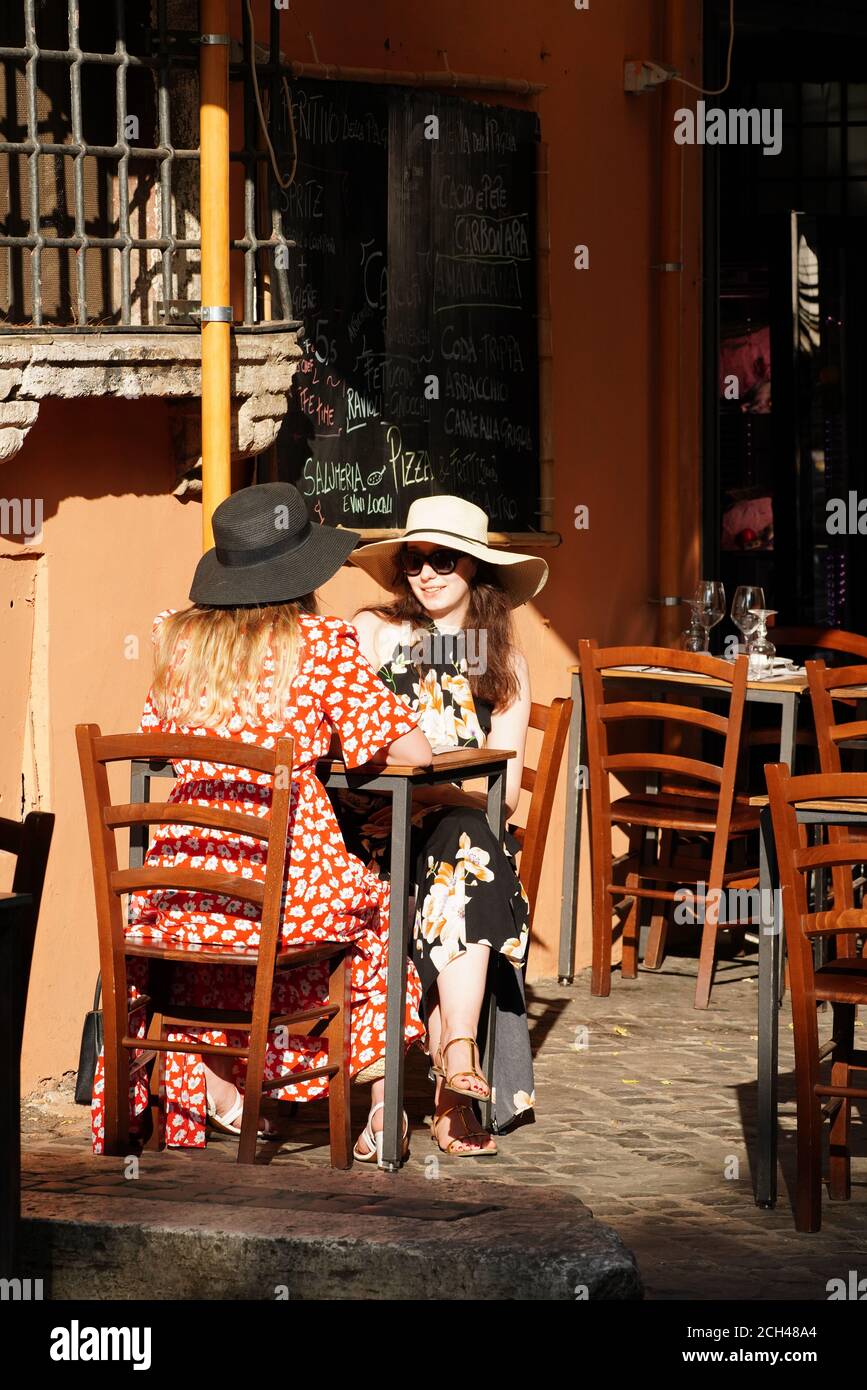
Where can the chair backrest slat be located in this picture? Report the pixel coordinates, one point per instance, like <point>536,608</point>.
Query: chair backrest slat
<point>669,763</point>
<point>186,813</point>
<point>112,748</point>
<point>195,880</point>
<point>669,658</point>
<point>659,709</point>
<point>850,851</point>
<point>842,733</point>
<point>820,638</point>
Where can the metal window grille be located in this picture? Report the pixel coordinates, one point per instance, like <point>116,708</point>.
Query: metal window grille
<point>80,211</point>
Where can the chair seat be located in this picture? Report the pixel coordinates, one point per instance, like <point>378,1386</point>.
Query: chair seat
<point>214,955</point>
<point>673,811</point>
<point>843,981</point>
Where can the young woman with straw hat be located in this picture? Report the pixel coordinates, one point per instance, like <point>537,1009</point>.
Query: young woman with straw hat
<point>445,645</point>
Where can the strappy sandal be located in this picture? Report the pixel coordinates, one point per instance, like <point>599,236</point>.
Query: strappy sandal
<point>230,1121</point>
<point>452,1146</point>
<point>374,1141</point>
<point>438,1067</point>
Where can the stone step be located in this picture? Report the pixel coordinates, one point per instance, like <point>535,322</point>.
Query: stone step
<point>179,1227</point>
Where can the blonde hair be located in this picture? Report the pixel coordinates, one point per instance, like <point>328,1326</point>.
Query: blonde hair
<point>210,663</point>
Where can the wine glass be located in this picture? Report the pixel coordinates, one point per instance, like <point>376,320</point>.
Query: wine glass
<point>709,606</point>
<point>762,649</point>
<point>748,598</point>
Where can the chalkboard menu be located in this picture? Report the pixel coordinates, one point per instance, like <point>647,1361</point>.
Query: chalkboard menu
<point>415,277</point>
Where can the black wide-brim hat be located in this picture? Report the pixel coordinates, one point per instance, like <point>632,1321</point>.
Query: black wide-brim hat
<point>266,550</point>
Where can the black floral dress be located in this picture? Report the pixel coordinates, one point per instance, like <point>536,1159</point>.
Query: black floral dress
<point>467,887</point>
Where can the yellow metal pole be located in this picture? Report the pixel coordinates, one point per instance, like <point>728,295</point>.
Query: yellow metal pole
<point>214,211</point>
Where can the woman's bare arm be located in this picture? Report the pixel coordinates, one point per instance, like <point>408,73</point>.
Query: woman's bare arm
<point>411,750</point>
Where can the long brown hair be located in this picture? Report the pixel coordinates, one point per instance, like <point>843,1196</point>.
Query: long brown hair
<point>209,663</point>
<point>489,611</point>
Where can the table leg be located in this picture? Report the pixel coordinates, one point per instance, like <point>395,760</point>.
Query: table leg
<point>788,755</point>
<point>572,834</point>
<point>496,809</point>
<point>770,929</point>
<point>396,978</point>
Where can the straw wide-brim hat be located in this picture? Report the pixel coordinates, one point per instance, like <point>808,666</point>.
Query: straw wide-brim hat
<point>266,550</point>
<point>457,525</point>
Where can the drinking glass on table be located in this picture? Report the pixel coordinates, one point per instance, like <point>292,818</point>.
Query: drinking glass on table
<point>709,606</point>
<point>762,649</point>
<point>748,598</point>
<point>693,638</point>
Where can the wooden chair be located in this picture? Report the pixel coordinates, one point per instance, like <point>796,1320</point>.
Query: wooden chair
<point>553,723</point>
<point>29,841</point>
<point>842,983</point>
<point>696,798</point>
<point>103,819</point>
<point>831,639</point>
<point>827,686</point>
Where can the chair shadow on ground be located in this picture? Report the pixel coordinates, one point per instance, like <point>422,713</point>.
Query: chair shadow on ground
<point>747,1095</point>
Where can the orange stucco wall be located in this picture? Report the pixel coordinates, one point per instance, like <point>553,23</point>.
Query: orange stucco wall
<point>117,547</point>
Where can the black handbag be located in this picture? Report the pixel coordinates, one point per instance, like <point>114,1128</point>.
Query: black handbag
<point>91,1046</point>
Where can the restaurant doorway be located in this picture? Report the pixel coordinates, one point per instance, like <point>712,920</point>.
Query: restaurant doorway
<point>785,314</point>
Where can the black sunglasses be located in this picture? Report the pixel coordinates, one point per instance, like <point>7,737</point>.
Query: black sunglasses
<point>442,561</point>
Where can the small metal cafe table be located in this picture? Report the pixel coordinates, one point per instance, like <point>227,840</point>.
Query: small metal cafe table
<point>458,766</point>
<point>786,693</point>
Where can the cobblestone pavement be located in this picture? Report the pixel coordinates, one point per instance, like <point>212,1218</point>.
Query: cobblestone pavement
<point>646,1112</point>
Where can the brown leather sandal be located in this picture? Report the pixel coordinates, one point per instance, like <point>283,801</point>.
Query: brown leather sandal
<point>439,1069</point>
<point>451,1147</point>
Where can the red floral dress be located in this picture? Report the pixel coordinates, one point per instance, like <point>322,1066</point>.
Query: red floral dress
<point>329,894</point>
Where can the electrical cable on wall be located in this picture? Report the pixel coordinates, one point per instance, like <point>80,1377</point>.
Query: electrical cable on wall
<point>716,91</point>
<point>282,182</point>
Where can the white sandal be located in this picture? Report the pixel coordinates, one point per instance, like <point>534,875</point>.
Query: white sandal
<point>229,1123</point>
<point>374,1141</point>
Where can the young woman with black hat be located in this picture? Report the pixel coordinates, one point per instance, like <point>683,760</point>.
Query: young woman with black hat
<point>252,660</point>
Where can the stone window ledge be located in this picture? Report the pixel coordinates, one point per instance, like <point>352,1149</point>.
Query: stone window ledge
<point>35,366</point>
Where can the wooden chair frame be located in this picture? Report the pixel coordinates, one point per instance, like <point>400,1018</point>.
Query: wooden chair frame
<point>842,983</point>
<point>825,684</point>
<point>104,819</point>
<point>553,723</point>
<point>832,639</point>
<point>678,809</point>
<point>29,841</point>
